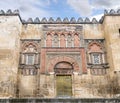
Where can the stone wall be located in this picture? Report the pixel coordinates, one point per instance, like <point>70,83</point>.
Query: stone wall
<point>111,31</point>
<point>43,85</point>
<point>9,54</point>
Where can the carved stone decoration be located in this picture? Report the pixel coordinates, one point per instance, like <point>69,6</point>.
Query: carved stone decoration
<point>71,58</point>
<point>118,11</point>
<point>72,20</point>
<point>96,56</point>
<point>63,28</point>
<point>9,11</point>
<point>63,31</point>
<point>63,68</point>
<point>44,20</point>
<point>94,20</point>
<point>87,20</point>
<point>90,41</point>
<point>36,20</point>
<point>69,41</point>
<point>29,57</point>
<point>23,21</point>
<point>51,20</point>
<point>58,20</point>
<point>2,12</point>
<point>16,11</point>
<point>112,11</point>
<point>55,40</point>
<point>105,12</point>
<point>80,20</point>
<point>30,20</point>
<point>66,20</point>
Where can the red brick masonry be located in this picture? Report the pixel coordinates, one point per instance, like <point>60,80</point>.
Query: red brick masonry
<point>49,67</point>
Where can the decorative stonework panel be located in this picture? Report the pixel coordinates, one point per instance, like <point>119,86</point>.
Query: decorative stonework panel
<point>69,41</point>
<point>74,59</point>
<point>96,56</point>
<point>30,57</point>
<point>63,67</point>
<point>55,41</point>
<point>63,36</point>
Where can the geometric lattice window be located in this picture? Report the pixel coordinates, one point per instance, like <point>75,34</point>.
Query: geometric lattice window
<point>96,54</point>
<point>29,57</point>
<point>96,58</point>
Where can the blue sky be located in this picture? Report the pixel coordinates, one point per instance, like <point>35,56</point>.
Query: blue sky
<point>60,8</point>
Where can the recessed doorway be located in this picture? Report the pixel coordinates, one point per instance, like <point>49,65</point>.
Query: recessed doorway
<point>63,71</point>
<point>63,85</point>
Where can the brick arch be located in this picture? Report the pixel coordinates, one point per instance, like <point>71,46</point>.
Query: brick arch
<point>58,59</point>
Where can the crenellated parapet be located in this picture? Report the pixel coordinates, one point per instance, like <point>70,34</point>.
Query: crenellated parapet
<point>112,12</point>
<point>49,20</point>
<point>58,20</point>
<point>9,12</point>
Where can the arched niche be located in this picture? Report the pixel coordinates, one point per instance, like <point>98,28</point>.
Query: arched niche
<point>63,68</point>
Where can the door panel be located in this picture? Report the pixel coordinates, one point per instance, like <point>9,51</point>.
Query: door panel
<point>64,85</point>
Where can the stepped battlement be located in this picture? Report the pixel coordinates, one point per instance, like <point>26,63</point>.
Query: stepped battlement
<point>65,20</point>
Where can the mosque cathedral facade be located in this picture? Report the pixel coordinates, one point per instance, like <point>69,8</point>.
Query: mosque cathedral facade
<point>50,58</point>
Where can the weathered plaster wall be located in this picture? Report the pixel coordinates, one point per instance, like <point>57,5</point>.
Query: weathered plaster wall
<point>9,54</point>
<point>31,31</point>
<point>111,26</point>
<point>93,31</point>
<point>27,86</point>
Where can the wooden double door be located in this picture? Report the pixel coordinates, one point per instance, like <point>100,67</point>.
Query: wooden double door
<point>63,85</point>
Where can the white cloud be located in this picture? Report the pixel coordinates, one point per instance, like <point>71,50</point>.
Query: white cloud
<point>86,7</point>
<point>41,8</point>
<point>82,7</point>
<point>28,8</point>
<point>106,4</point>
